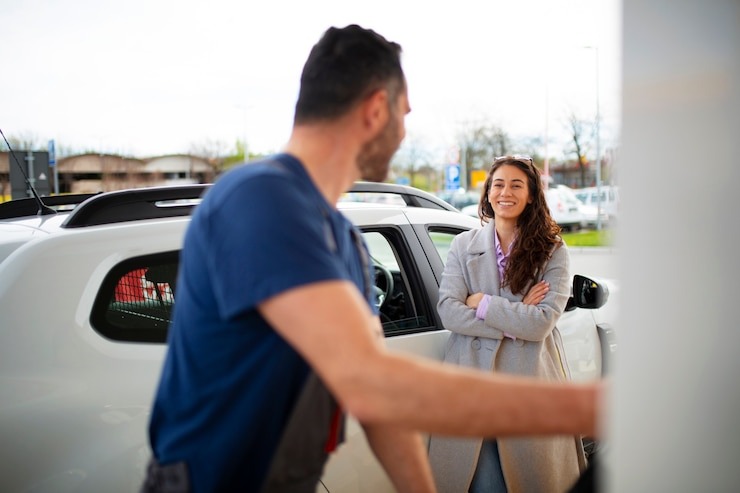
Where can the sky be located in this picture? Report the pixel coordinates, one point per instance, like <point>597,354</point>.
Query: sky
<point>153,77</point>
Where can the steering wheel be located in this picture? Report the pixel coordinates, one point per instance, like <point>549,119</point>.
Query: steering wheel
<point>383,285</point>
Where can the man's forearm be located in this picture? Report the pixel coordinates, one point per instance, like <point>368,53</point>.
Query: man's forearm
<point>446,399</point>
<point>403,455</point>
<point>379,386</point>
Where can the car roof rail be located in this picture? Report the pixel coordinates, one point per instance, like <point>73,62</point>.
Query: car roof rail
<point>30,206</point>
<point>136,204</point>
<point>413,197</point>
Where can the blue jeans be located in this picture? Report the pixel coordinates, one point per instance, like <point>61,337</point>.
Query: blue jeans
<point>488,476</point>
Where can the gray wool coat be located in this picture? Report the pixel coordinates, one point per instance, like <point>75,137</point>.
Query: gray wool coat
<point>550,464</point>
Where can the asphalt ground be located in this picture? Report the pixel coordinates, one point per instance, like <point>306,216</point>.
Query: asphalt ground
<point>597,262</point>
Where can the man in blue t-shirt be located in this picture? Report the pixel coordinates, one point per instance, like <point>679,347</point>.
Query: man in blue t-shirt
<point>261,230</point>
<point>273,280</point>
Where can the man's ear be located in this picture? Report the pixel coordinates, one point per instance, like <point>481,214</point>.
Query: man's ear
<point>375,111</point>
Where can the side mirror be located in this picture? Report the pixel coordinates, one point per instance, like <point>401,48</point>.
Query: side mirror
<point>587,293</point>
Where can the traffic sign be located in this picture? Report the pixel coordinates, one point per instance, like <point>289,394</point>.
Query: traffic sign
<point>52,154</point>
<point>452,177</point>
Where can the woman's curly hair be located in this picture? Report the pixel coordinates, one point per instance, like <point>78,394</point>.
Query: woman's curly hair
<point>537,234</point>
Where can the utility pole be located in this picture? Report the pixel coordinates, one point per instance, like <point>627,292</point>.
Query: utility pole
<point>598,142</point>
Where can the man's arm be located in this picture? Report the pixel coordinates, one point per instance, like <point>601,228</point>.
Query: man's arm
<point>400,451</point>
<point>403,455</point>
<point>331,326</point>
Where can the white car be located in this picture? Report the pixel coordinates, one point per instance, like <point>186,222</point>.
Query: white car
<point>569,212</point>
<point>609,198</point>
<point>85,300</point>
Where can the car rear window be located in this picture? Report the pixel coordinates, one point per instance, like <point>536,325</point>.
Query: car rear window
<point>135,301</point>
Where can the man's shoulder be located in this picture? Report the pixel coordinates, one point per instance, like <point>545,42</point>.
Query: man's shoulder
<point>279,166</point>
<point>268,182</point>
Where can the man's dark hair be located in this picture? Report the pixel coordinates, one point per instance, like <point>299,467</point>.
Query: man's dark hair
<point>345,66</point>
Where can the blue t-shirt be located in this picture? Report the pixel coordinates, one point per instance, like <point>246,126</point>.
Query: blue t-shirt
<point>229,381</point>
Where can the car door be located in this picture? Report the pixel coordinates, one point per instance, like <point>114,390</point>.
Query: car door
<point>407,292</point>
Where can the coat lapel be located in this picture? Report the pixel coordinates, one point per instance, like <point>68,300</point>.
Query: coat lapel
<point>481,261</point>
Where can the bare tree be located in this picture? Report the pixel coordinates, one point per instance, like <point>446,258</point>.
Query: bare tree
<point>239,154</point>
<point>480,144</point>
<point>26,141</point>
<point>413,160</point>
<point>577,127</point>
<point>531,146</point>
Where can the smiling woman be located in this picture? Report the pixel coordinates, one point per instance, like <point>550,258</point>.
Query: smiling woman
<point>502,293</point>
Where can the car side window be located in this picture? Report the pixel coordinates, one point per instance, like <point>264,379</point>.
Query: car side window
<point>400,296</point>
<point>135,300</point>
<point>442,239</point>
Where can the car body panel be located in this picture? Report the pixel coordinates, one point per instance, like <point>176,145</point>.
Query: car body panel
<point>564,207</point>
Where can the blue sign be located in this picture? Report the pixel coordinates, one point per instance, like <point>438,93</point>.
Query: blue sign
<point>52,154</point>
<point>452,177</point>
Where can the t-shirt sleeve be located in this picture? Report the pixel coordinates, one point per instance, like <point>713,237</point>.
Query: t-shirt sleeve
<point>266,238</point>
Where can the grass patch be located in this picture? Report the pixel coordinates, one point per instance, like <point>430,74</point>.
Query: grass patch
<point>589,238</point>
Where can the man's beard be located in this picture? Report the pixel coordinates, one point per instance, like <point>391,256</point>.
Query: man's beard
<point>375,157</point>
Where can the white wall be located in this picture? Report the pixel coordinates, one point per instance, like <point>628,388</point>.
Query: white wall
<point>674,419</point>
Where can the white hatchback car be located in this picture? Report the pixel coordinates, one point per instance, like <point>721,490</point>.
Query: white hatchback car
<point>569,212</point>
<point>85,299</point>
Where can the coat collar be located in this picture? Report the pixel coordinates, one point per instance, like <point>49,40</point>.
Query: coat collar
<point>482,241</point>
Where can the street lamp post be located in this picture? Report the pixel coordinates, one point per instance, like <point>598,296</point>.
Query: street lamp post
<point>598,142</point>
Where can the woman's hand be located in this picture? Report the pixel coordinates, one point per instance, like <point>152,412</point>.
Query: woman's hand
<point>536,293</point>
<point>473,300</point>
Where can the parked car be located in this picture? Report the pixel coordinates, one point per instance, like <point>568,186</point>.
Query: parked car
<point>86,295</point>
<point>460,198</point>
<point>569,212</point>
<point>609,198</point>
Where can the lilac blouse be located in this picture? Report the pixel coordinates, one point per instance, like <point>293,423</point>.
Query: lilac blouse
<point>501,259</point>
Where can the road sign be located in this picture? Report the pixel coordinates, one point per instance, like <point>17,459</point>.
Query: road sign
<point>28,168</point>
<point>452,177</point>
<point>52,154</point>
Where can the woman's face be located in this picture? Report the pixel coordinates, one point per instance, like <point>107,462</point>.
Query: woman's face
<point>509,193</point>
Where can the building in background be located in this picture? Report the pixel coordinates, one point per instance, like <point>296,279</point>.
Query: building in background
<point>93,172</point>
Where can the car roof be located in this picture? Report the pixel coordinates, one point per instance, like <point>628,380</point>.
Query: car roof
<point>363,214</point>
<point>22,220</point>
<point>170,201</point>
